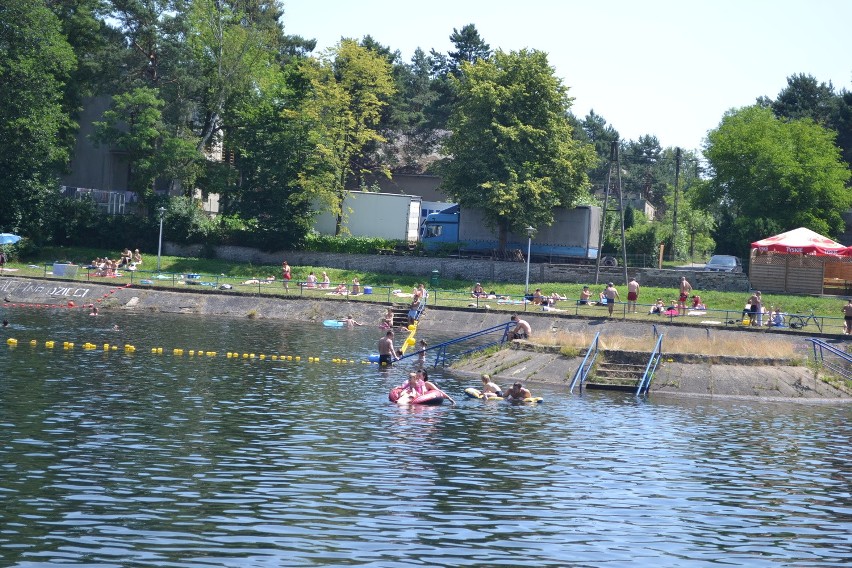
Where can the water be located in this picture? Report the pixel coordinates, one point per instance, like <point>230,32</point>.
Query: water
<point>109,459</point>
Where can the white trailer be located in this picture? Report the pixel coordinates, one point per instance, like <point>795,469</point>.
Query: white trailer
<point>392,216</point>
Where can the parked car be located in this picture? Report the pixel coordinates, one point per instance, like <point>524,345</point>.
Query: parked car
<point>723,263</point>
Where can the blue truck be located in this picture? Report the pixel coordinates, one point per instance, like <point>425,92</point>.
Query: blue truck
<point>574,234</point>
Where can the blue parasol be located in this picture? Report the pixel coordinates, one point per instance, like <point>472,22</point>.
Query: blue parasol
<point>8,239</point>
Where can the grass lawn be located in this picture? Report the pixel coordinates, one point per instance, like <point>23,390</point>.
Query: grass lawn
<point>250,278</point>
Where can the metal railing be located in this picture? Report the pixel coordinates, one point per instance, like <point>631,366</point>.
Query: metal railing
<point>588,361</point>
<point>832,358</point>
<point>650,368</point>
<point>501,331</point>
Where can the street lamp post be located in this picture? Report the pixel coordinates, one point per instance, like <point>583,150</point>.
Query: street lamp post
<point>530,232</point>
<point>162,212</point>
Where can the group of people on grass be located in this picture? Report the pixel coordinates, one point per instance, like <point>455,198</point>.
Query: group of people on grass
<point>110,267</point>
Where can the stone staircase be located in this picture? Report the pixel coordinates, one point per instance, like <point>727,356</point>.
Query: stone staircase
<point>622,376</point>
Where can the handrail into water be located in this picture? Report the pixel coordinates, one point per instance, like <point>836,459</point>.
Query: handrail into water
<point>651,367</point>
<point>441,348</point>
<point>820,347</point>
<point>586,365</point>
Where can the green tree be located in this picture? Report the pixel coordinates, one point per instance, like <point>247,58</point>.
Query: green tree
<point>511,151</point>
<point>200,57</point>
<point>601,135</point>
<point>351,85</point>
<point>35,63</point>
<point>276,142</point>
<point>470,47</point>
<point>134,125</point>
<point>789,172</point>
<point>805,97</point>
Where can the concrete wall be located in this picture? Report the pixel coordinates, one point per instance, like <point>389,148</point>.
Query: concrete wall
<point>471,270</point>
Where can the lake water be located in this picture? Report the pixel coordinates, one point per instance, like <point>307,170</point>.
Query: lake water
<point>116,459</point>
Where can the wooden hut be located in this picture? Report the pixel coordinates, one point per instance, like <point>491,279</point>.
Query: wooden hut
<point>800,262</point>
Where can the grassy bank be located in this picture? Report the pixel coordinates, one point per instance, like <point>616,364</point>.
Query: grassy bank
<point>251,278</point>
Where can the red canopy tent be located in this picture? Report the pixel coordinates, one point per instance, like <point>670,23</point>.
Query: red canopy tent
<point>801,262</point>
<point>799,241</point>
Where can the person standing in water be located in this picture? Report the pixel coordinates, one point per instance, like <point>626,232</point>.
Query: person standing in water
<point>387,353</point>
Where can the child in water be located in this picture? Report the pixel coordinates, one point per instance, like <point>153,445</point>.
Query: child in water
<point>490,388</point>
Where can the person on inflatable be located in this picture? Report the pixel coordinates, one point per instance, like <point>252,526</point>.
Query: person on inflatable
<point>422,376</point>
<point>490,388</point>
<point>517,393</point>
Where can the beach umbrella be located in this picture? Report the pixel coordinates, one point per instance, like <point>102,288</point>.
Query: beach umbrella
<point>8,239</point>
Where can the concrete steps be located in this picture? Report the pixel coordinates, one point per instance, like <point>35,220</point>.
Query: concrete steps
<point>615,376</point>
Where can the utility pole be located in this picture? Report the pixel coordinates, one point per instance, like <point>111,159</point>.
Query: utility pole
<point>674,213</point>
<point>613,185</point>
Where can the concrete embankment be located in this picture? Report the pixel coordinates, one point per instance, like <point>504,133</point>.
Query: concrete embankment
<point>678,375</point>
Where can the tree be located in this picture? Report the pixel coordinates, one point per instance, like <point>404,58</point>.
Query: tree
<point>789,172</point>
<point>348,88</point>
<point>641,160</point>
<point>134,125</point>
<point>35,62</point>
<point>275,133</point>
<point>804,97</point>
<point>511,151</point>
<point>470,48</point>
<point>200,57</point>
<point>601,135</point>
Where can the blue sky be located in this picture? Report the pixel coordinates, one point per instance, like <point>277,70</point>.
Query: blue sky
<point>667,68</point>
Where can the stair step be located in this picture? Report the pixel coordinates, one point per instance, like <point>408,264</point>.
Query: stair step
<point>610,386</point>
<point>615,380</point>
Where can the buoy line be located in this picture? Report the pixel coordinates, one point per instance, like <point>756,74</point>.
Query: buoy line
<point>179,352</point>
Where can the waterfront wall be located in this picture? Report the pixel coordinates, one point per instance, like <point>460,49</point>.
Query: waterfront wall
<point>471,269</point>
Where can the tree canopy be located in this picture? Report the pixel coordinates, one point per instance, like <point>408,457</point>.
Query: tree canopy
<point>788,172</point>
<point>511,149</point>
<point>35,62</point>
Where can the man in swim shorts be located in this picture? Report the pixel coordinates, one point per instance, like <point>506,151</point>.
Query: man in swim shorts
<point>632,295</point>
<point>387,354</point>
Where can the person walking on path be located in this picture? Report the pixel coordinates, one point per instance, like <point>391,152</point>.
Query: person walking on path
<point>632,295</point>
<point>847,318</point>
<point>685,289</point>
<point>286,275</point>
<point>611,295</point>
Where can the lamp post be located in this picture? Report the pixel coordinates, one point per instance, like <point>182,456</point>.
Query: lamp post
<point>162,212</point>
<point>530,232</point>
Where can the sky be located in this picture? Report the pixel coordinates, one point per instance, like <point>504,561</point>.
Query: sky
<point>666,68</point>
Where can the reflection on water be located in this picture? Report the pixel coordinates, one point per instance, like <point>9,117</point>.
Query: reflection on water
<point>159,460</point>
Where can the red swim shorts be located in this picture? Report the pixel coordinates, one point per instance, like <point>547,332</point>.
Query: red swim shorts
<point>632,296</point>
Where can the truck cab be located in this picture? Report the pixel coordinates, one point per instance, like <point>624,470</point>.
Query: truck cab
<point>440,228</point>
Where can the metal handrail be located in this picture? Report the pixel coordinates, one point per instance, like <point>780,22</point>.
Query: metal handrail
<point>651,367</point>
<point>441,348</point>
<point>583,370</point>
<point>820,347</point>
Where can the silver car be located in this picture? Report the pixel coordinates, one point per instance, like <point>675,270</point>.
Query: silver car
<point>723,263</point>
